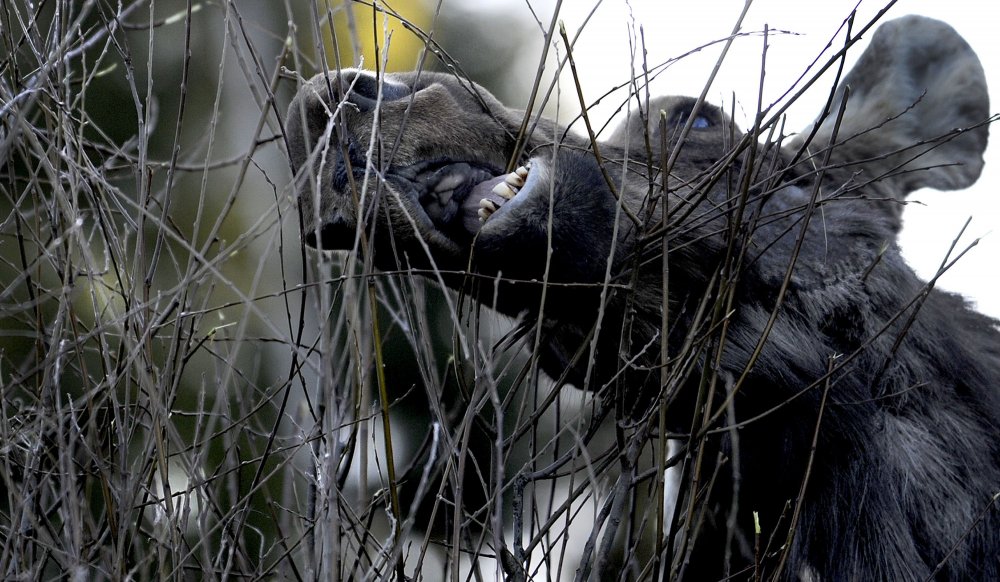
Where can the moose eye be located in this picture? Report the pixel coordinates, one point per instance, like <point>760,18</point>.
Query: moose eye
<point>700,121</point>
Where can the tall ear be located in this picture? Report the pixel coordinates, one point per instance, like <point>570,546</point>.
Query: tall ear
<point>916,107</point>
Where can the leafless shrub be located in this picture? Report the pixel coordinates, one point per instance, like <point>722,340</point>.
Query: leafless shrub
<point>190,393</point>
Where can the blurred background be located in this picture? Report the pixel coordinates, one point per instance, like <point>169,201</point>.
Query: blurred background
<point>186,391</point>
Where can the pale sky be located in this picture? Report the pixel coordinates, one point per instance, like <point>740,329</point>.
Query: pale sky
<point>673,27</point>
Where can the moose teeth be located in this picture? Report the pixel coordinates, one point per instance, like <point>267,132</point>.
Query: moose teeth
<point>500,190</point>
<point>512,184</point>
<point>505,190</point>
<point>486,208</point>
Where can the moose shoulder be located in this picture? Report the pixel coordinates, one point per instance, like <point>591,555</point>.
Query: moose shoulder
<point>824,325</point>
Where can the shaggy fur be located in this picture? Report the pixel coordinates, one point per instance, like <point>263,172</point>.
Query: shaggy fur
<point>823,322</point>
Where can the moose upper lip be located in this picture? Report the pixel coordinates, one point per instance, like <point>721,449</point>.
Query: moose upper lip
<point>442,185</point>
<point>448,191</point>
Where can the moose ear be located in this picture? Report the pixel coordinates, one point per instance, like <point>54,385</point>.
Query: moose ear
<point>916,110</point>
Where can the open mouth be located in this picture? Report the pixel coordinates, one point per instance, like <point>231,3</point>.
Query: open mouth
<point>458,197</point>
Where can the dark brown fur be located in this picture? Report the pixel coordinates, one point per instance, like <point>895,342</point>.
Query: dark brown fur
<point>797,240</point>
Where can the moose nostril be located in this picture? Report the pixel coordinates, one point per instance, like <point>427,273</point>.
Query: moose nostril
<point>364,89</point>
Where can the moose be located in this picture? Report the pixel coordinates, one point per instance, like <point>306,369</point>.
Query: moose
<point>858,405</point>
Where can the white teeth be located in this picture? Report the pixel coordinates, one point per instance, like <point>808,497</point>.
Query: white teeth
<point>508,189</point>
<point>486,209</point>
<point>515,180</point>
<point>512,183</point>
<point>505,190</point>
